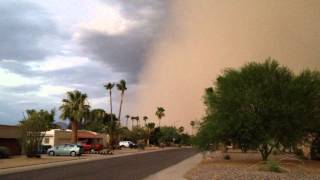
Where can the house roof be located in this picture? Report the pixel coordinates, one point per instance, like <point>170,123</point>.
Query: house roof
<point>88,134</point>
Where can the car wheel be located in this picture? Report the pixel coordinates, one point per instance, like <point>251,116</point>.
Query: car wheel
<point>51,153</point>
<point>73,154</point>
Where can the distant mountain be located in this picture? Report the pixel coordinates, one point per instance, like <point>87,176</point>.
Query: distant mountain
<point>62,125</point>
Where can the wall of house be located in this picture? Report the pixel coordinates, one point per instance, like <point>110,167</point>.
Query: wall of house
<point>62,137</point>
<point>9,137</point>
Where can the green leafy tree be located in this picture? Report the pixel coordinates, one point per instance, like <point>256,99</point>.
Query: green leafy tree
<point>307,108</point>
<point>160,113</point>
<point>74,108</point>
<point>122,87</point>
<point>252,107</point>
<point>33,127</point>
<point>97,120</point>
<point>138,133</point>
<point>169,135</point>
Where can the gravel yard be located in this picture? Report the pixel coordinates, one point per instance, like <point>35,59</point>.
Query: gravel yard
<point>247,166</point>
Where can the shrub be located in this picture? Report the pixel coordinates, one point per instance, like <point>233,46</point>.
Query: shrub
<point>299,153</point>
<point>226,157</point>
<point>273,166</point>
<point>162,145</point>
<point>141,145</point>
<point>275,152</point>
<point>4,152</point>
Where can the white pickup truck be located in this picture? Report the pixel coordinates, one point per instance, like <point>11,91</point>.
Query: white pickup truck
<point>127,144</point>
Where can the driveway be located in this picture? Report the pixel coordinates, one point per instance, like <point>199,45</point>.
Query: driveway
<point>125,167</point>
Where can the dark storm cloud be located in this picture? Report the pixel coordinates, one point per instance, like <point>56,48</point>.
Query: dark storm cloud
<point>23,28</point>
<point>127,52</point>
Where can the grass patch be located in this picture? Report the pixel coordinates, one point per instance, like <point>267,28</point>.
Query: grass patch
<point>271,165</point>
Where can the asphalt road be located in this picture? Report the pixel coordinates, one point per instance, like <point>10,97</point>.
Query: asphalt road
<point>126,167</point>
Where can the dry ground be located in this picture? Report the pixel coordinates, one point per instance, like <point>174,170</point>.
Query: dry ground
<point>248,166</point>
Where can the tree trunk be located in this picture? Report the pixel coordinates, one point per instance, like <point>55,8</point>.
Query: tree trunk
<point>159,122</point>
<point>111,105</point>
<point>127,123</point>
<point>111,118</point>
<point>265,151</point>
<point>74,131</point>
<point>120,106</point>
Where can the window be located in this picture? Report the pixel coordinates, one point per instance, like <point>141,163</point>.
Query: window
<point>46,140</point>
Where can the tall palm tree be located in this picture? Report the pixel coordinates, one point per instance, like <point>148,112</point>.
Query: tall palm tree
<point>127,116</point>
<point>145,118</point>
<point>75,107</point>
<point>137,119</point>
<point>192,123</point>
<point>181,129</point>
<point>121,87</point>
<point>132,119</point>
<point>109,87</point>
<point>160,113</point>
<point>150,127</point>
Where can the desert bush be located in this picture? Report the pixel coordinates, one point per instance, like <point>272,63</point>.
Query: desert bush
<point>141,145</point>
<point>299,153</point>
<point>275,152</point>
<point>4,152</point>
<point>162,145</point>
<point>273,166</point>
<point>226,157</point>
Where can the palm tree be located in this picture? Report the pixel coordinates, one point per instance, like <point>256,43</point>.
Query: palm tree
<point>181,129</point>
<point>127,116</point>
<point>74,108</point>
<point>145,118</point>
<point>150,127</point>
<point>160,113</point>
<point>137,119</point>
<point>192,123</point>
<point>109,87</point>
<point>132,119</point>
<point>121,87</point>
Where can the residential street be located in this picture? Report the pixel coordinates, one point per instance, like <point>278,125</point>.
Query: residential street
<point>125,167</point>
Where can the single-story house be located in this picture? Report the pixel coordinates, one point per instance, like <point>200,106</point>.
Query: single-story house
<point>59,136</point>
<point>56,137</point>
<point>9,137</point>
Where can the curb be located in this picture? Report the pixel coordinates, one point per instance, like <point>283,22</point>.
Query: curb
<point>177,171</point>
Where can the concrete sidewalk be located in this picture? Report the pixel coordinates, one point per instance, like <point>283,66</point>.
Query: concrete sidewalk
<point>177,171</point>
<point>73,161</point>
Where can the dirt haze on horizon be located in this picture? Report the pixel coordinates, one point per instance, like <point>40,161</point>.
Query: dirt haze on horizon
<point>205,37</point>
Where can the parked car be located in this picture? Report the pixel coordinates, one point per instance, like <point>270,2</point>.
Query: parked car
<point>66,150</point>
<point>127,144</point>
<point>4,152</point>
<point>92,147</point>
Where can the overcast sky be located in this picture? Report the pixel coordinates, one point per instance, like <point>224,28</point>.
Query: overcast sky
<point>50,47</point>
